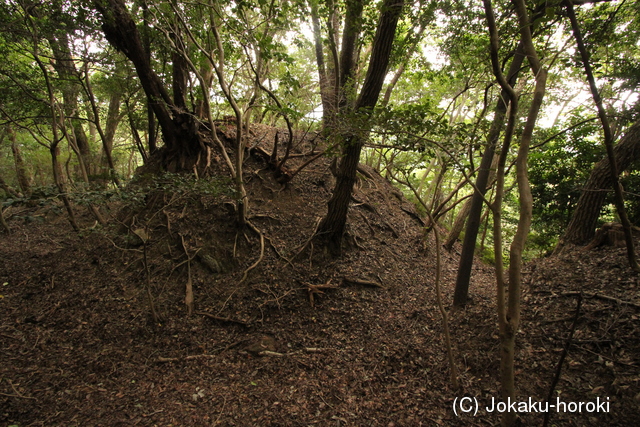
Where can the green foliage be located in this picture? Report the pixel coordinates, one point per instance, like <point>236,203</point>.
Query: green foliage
<point>558,171</point>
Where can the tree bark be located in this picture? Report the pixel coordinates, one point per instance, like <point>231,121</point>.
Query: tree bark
<point>65,67</point>
<point>458,225</point>
<point>179,128</point>
<point>608,138</point>
<point>475,211</point>
<point>326,88</point>
<point>583,223</point>
<point>22,173</point>
<point>333,225</point>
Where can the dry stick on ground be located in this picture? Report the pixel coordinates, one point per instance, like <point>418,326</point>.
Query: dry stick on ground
<point>277,251</point>
<point>188,294</point>
<point>309,240</point>
<point>318,289</point>
<point>602,297</point>
<point>608,138</point>
<point>145,261</point>
<point>221,319</point>
<point>17,393</point>
<point>565,351</point>
<point>369,283</point>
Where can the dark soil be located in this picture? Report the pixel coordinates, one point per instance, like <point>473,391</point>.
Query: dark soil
<point>305,339</point>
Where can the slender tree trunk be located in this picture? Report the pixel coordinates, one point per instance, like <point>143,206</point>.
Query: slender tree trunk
<point>151,118</point>
<point>509,317</point>
<point>113,117</point>
<point>475,210</point>
<point>326,88</point>
<point>65,67</point>
<point>22,173</point>
<point>458,225</point>
<point>333,225</point>
<point>54,149</point>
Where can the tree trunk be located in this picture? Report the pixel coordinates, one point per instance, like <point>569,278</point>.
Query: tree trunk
<point>326,88</point>
<point>608,139</point>
<point>458,225</point>
<point>584,220</point>
<point>22,173</point>
<point>475,211</point>
<point>65,67</point>
<point>113,119</point>
<point>333,225</point>
<point>10,191</point>
<point>179,128</point>
<point>151,118</point>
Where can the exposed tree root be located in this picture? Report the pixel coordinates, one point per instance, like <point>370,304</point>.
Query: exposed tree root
<point>255,264</point>
<point>309,240</point>
<point>318,289</point>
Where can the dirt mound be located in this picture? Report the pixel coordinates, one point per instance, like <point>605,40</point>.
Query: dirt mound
<point>278,336</point>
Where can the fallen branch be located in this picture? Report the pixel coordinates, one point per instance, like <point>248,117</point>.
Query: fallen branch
<point>222,319</point>
<point>271,353</point>
<point>315,230</point>
<point>178,359</point>
<point>563,356</point>
<point>602,297</point>
<point>370,283</point>
<point>17,393</point>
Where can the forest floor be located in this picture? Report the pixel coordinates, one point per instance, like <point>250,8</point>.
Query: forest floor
<point>305,339</point>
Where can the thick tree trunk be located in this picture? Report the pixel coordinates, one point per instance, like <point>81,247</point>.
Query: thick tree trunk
<point>179,128</point>
<point>608,139</point>
<point>583,223</point>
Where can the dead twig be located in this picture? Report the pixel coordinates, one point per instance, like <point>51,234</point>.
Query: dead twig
<point>318,289</point>
<point>565,351</point>
<point>17,393</point>
<point>370,283</point>
<point>271,353</point>
<point>188,295</point>
<point>178,359</point>
<point>315,230</point>
<point>602,297</point>
<point>277,251</point>
<point>221,319</point>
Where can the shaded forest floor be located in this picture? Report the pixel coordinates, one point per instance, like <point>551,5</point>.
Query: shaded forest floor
<point>354,341</point>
